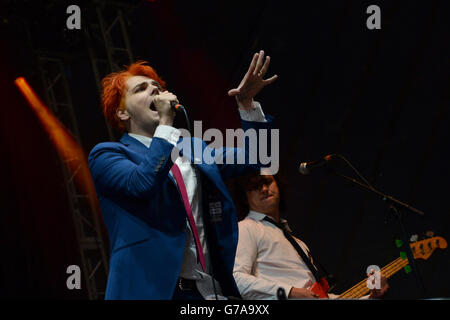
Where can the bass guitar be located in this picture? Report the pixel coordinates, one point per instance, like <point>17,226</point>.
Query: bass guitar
<point>420,249</point>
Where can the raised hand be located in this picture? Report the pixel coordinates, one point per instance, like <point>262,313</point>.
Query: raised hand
<point>252,82</point>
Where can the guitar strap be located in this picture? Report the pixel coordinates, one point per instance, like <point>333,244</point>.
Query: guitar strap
<point>318,272</point>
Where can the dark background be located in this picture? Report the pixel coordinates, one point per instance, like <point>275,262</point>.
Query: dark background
<point>378,97</point>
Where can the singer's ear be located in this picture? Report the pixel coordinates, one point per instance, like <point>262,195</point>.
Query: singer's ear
<point>122,114</point>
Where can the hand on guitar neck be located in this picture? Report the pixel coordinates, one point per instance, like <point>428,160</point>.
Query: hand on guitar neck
<point>378,293</point>
<point>320,289</point>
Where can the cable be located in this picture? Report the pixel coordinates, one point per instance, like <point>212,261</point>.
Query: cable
<point>354,169</point>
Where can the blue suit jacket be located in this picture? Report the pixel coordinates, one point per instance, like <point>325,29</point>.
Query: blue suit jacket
<point>146,220</point>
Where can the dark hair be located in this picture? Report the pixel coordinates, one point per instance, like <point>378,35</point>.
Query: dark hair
<point>238,188</point>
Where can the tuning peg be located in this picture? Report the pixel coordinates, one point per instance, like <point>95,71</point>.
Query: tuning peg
<point>429,234</point>
<point>414,238</point>
<point>398,243</point>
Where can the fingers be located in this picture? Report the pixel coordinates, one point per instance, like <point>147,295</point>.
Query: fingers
<point>252,67</point>
<point>264,68</point>
<point>310,294</point>
<point>233,92</point>
<point>163,100</point>
<point>378,293</point>
<point>253,80</point>
<point>270,80</point>
<point>166,95</point>
<point>259,62</point>
<point>260,69</point>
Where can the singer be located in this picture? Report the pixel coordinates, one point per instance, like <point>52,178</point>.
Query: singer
<point>268,256</point>
<point>172,226</point>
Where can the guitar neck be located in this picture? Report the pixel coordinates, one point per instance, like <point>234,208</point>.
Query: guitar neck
<point>361,289</point>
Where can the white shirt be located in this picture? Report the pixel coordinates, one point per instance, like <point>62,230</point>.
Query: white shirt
<point>190,268</point>
<point>266,260</point>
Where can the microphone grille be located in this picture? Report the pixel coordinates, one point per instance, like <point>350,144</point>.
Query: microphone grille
<point>303,169</point>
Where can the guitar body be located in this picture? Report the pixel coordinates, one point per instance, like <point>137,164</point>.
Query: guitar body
<point>321,288</point>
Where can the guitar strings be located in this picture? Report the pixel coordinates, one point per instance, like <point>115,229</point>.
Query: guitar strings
<point>356,292</point>
<point>361,288</point>
<point>363,281</point>
<point>388,271</point>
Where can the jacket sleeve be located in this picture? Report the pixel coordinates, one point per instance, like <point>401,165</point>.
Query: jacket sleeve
<point>260,149</point>
<point>114,174</point>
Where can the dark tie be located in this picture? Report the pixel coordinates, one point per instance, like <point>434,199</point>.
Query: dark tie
<point>306,258</point>
<point>179,179</point>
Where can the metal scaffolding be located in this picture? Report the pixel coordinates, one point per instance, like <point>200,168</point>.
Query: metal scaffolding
<point>108,46</point>
<point>108,43</point>
<point>84,213</point>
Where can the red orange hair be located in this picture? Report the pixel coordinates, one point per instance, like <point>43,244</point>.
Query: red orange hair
<point>114,86</point>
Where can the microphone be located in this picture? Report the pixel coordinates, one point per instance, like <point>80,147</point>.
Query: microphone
<point>306,167</point>
<point>176,106</point>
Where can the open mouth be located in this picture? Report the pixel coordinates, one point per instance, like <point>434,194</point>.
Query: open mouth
<point>152,106</point>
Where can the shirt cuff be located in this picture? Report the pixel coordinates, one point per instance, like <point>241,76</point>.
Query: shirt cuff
<point>256,114</point>
<point>167,133</point>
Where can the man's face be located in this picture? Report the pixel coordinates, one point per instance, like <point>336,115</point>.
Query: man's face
<point>263,194</point>
<point>140,110</point>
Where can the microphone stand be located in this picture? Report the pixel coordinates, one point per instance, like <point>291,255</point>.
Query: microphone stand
<point>393,205</point>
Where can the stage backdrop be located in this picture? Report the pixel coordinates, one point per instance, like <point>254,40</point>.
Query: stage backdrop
<point>378,97</point>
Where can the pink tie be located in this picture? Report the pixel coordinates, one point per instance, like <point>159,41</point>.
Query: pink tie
<point>179,179</point>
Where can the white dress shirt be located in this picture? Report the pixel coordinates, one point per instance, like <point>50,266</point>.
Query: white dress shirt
<point>266,260</point>
<point>190,267</point>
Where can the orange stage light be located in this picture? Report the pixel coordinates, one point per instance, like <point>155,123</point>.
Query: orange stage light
<point>70,152</point>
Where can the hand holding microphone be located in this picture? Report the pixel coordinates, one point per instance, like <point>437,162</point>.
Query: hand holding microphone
<point>166,104</point>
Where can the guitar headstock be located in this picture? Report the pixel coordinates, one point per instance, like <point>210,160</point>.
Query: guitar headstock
<point>424,248</point>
